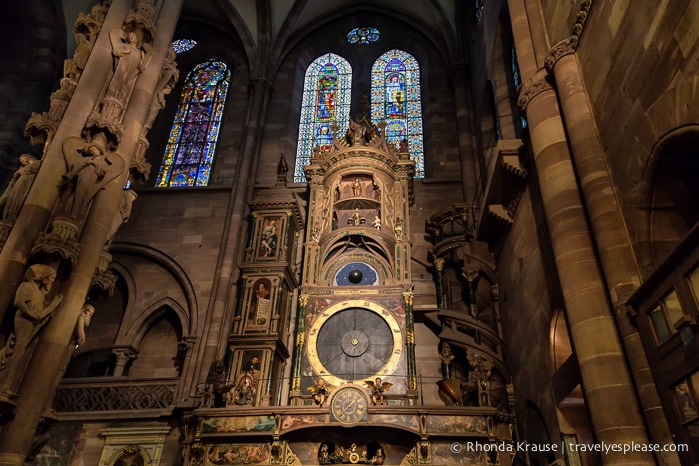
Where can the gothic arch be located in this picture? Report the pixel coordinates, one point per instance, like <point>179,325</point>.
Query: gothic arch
<point>149,317</point>
<point>171,266</point>
<point>668,195</point>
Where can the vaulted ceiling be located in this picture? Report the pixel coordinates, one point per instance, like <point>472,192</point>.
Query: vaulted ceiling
<point>265,27</point>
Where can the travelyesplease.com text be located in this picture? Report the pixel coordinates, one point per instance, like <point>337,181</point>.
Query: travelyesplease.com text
<point>513,447</point>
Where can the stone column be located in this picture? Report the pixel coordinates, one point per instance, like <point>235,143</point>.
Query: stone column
<point>43,374</point>
<point>225,283</point>
<point>609,391</point>
<point>614,247</point>
<point>122,357</point>
<point>459,78</point>
<point>44,193</point>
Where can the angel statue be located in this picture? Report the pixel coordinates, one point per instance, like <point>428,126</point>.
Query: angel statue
<point>320,391</point>
<point>377,388</point>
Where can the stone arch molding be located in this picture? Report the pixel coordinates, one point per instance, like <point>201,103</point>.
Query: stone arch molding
<point>148,318</point>
<point>141,311</point>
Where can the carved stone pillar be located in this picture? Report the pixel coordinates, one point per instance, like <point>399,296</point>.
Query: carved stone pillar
<point>44,371</point>
<point>122,357</point>
<point>45,191</point>
<point>610,393</point>
<point>613,244</point>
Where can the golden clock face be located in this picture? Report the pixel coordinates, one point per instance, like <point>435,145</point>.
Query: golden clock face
<point>349,405</point>
<point>354,340</point>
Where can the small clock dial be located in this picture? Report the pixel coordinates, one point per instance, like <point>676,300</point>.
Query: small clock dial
<point>349,405</point>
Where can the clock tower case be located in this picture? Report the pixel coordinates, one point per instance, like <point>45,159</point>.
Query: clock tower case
<point>355,317</point>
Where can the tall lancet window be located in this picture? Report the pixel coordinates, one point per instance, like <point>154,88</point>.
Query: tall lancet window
<point>395,98</point>
<point>326,101</point>
<point>190,149</point>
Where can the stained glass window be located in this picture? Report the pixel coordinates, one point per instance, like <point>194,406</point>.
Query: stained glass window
<point>190,149</point>
<point>326,101</point>
<point>517,81</point>
<point>363,36</point>
<point>395,99</point>
<point>182,45</point>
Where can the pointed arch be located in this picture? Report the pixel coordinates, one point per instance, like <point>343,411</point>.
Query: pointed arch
<point>189,153</point>
<point>326,101</point>
<point>396,99</point>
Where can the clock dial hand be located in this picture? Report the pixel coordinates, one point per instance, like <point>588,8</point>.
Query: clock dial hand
<point>349,406</point>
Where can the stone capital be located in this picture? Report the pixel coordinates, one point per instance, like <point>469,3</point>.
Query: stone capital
<point>531,88</point>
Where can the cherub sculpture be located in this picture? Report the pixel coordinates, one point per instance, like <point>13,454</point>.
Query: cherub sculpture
<point>320,391</point>
<point>377,388</point>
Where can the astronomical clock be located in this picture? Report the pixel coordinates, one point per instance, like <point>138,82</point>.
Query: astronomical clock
<point>354,321</point>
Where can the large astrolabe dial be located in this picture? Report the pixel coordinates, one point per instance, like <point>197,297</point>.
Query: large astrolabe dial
<point>351,343</point>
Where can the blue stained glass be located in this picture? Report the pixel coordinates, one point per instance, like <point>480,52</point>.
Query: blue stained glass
<point>395,99</point>
<point>190,148</point>
<point>363,36</point>
<point>182,45</point>
<point>326,101</point>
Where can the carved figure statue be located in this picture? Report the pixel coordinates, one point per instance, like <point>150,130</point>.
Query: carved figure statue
<point>90,168</point>
<point>282,167</point>
<point>377,223</point>
<point>377,189</point>
<point>377,388</point>
<point>74,67</point>
<point>129,61</point>
<point>32,314</point>
<point>122,214</point>
<point>357,188</point>
<point>16,192</point>
<point>83,321</point>
<point>398,227</point>
<point>320,392</point>
<point>169,74</point>
<point>356,219</point>
<point>216,384</point>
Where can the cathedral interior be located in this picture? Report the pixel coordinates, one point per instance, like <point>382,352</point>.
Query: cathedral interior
<point>309,232</point>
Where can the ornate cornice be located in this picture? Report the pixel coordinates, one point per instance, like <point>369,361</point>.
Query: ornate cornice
<point>570,45</point>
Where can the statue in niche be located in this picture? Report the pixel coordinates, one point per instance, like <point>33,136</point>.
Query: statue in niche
<point>216,387</point>
<point>377,223</point>
<point>244,390</point>
<point>357,188</point>
<point>33,312</point>
<point>129,60</point>
<point>16,192</point>
<point>83,321</point>
<point>398,227</point>
<point>90,168</point>
<point>377,189</point>
<point>355,219</point>
<point>122,215</point>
